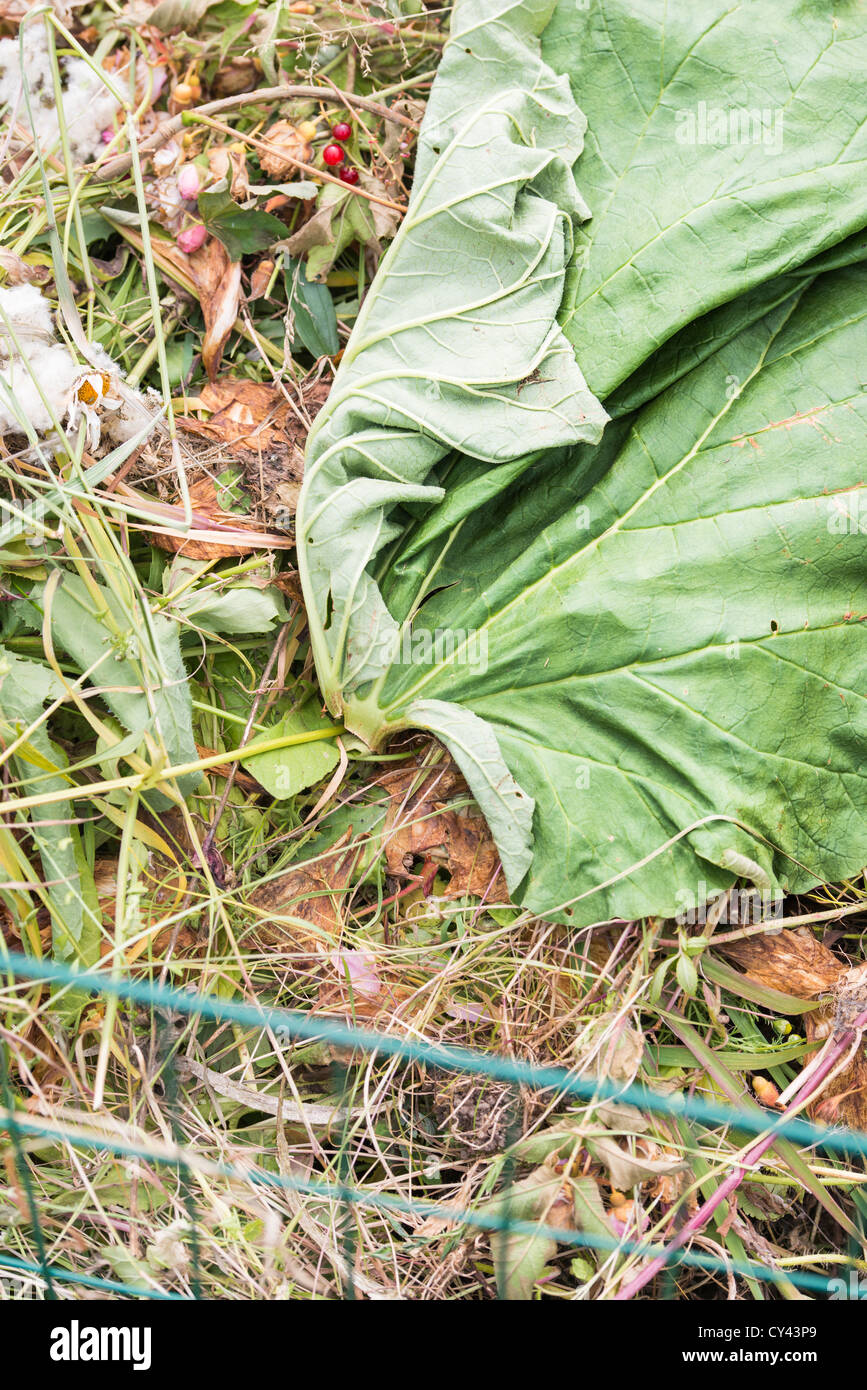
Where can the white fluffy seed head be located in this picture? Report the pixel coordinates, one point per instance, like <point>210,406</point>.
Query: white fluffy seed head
<point>43,382</point>
<point>28,313</point>
<point>52,366</point>
<point>88,106</point>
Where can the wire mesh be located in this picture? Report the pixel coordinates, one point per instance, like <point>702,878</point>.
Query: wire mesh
<point>172,1152</point>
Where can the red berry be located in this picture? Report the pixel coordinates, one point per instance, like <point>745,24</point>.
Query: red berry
<point>333,154</point>
<point>342,130</point>
<point>349,175</point>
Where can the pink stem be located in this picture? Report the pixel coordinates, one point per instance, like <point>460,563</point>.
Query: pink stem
<point>750,1158</point>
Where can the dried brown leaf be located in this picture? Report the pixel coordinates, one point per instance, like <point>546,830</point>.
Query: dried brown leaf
<point>792,961</point>
<point>18,272</point>
<point>797,963</point>
<point>313,893</point>
<point>218,284</point>
<point>209,516</point>
<point>844,1100</point>
<point>230,163</point>
<point>265,435</point>
<point>261,278</point>
<point>307,893</point>
<point>236,75</point>
<point>420,823</point>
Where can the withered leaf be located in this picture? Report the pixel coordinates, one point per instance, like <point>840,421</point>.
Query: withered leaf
<point>844,1099</point>
<point>627,1170</point>
<point>797,963</point>
<point>265,435</point>
<point>792,961</point>
<point>419,822</point>
<point>351,981</point>
<point>227,162</point>
<point>218,533</point>
<point>306,893</point>
<point>341,217</point>
<point>218,285</point>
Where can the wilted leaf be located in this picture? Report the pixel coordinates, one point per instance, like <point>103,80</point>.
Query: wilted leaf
<point>793,961</point>
<point>261,278</point>
<point>607,581</point>
<point>265,435</point>
<point>520,1260</point>
<point>217,532</point>
<point>844,1100</point>
<point>620,1058</point>
<point>179,14</point>
<point>341,218</point>
<point>252,414</point>
<point>237,606</point>
<point>627,1170</point>
<point>168,1251</point>
<point>239,74</point>
<point>308,893</point>
<point>20,272</point>
<point>419,823</point>
<point>228,167</point>
<point>588,1208</point>
<point>218,284</point>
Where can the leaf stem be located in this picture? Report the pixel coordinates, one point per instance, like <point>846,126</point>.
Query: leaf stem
<point>175,124</point>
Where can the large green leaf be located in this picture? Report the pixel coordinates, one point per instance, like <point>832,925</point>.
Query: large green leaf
<point>286,771</point>
<point>478,365</point>
<point>714,129</point>
<point>644,653</point>
<point>682,648</point>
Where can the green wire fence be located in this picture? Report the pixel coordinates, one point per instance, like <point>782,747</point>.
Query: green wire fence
<point>24,1129</point>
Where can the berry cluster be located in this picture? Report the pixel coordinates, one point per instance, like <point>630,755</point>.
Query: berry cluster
<point>335,155</point>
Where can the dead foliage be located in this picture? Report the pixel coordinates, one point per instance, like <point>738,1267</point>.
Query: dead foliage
<point>302,911</point>
<point>260,428</point>
<point>282,150</point>
<point>218,282</point>
<point>421,824</point>
<point>216,533</point>
<point>797,963</point>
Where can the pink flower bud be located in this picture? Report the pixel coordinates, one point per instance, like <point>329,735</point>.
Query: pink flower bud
<point>107,135</point>
<point>188,181</point>
<point>191,238</point>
